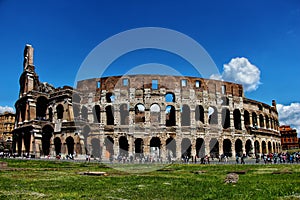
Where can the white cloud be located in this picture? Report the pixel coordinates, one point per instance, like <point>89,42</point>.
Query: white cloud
<point>6,108</point>
<point>240,70</point>
<point>290,115</point>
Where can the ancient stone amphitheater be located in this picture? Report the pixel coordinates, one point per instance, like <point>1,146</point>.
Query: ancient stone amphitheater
<point>141,116</point>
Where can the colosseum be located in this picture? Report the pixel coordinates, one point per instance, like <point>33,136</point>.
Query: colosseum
<point>140,116</point>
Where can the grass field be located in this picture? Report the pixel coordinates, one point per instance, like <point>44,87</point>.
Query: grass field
<point>32,179</point>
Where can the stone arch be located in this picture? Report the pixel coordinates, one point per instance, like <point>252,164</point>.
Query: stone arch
<point>84,113</point>
<point>237,119</point>
<point>171,148</point>
<point>170,116</point>
<point>274,148</point>
<point>200,147</point>
<point>139,113</point>
<point>70,145</point>
<point>261,121</point>
<point>212,115</point>
<point>97,114</point>
<point>138,147</point>
<point>76,98</point>
<point>76,111</point>
<point>50,113</point>
<point>254,119</point>
<point>85,132</point>
<point>155,113</point>
<point>123,146</point>
<point>225,118</point>
<point>186,148</point>
<point>214,148</point>
<point>227,151</point>
<point>57,145</point>
<point>109,146</point>
<point>170,97</point>
<point>60,111</point>
<point>225,101</point>
<point>110,97</point>
<point>47,133</point>
<point>264,147</point>
<point>96,148</point>
<point>239,147</point>
<point>155,145</point>
<point>267,122</point>
<point>256,147</point>
<point>199,113</point>
<point>41,107</point>
<point>124,114</point>
<point>246,118</point>
<point>185,115</point>
<point>248,147</point>
<point>269,147</point>
<point>109,110</point>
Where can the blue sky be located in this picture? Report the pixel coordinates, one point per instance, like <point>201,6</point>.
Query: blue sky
<point>63,33</point>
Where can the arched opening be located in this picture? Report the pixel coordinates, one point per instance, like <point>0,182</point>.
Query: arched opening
<point>124,114</point>
<point>170,116</point>
<point>139,113</point>
<point>246,118</point>
<point>199,113</point>
<point>96,114</point>
<point>212,115</point>
<point>269,147</point>
<point>239,147</point>
<point>139,147</point>
<point>271,123</point>
<point>96,149</point>
<point>185,116</point>
<point>60,111</point>
<point>170,97</point>
<point>84,113</point>
<point>123,146</point>
<point>264,147</point>
<point>214,148</point>
<point>47,132</point>
<point>261,121</point>
<point>110,97</point>
<point>248,147</point>
<point>155,147</point>
<point>200,147</point>
<point>257,147</point>
<point>155,113</point>
<point>41,108</point>
<point>70,145</point>
<point>109,146</point>
<point>227,148</point>
<point>85,132</point>
<point>274,148</point>
<point>267,122</point>
<point>171,148</point>
<point>27,141</point>
<point>254,119</point>
<point>186,148</point>
<point>225,101</point>
<point>76,111</point>
<point>57,145</point>
<point>225,118</point>
<point>237,119</point>
<point>109,115</point>
<point>50,111</point>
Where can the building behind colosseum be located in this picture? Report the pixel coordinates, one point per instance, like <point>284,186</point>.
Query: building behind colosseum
<point>153,116</point>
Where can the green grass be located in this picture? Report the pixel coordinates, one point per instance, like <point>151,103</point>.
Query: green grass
<point>31,179</point>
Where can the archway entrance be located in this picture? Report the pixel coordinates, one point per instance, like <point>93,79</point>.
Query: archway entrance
<point>186,148</point>
<point>47,133</point>
<point>257,147</point>
<point>248,147</point>
<point>227,148</point>
<point>70,145</point>
<point>214,148</point>
<point>109,146</point>
<point>239,147</point>
<point>155,147</point>
<point>139,147</point>
<point>200,147</point>
<point>264,147</point>
<point>57,145</point>
<point>123,146</point>
<point>171,148</point>
<point>96,149</point>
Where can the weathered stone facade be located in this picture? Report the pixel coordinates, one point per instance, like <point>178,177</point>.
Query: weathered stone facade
<point>7,121</point>
<point>162,117</point>
<point>289,139</point>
